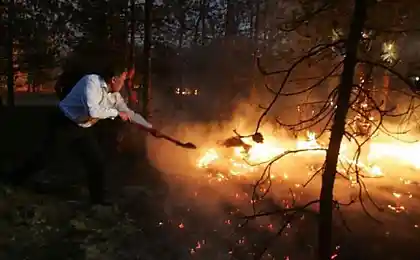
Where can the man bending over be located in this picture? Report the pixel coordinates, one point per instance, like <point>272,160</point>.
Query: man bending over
<point>93,98</point>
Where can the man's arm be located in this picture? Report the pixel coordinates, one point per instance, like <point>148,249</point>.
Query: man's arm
<point>121,106</point>
<point>93,97</point>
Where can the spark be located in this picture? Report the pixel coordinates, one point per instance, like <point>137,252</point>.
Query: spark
<point>389,52</point>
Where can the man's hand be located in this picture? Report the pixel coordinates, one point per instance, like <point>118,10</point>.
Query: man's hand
<point>124,116</point>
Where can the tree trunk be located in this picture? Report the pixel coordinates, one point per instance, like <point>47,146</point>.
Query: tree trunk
<point>230,22</point>
<point>133,26</point>
<point>203,10</point>
<point>10,50</point>
<point>337,131</point>
<point>181,33</point>
<point>182,27</point>
<point>255,36</point>
<point>256,31</point>
<point>197,29</point>
<point>147,77</point>
<point>131,55</point>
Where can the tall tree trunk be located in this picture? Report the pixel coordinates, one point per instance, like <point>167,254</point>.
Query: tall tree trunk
<point>126,12</point>
<point>203,10</point>
<point>337,131</point>
<point>255,36</point>
<point>10,50</point>
<point>230,23</point>
<point>131,53</point>
<point>133,26</point>
<point>147,77</point>
<point>181,33</point>
<point>182,27</point>
<point>196,29</point>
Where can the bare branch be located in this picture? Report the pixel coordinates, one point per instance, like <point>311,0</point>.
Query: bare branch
<point>313,51</point>
<point>394,72</point>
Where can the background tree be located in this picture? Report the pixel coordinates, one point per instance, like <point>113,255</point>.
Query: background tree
<point>11,16</point>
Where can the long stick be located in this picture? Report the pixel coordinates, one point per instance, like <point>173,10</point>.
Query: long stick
<point>179,143</point>
<point>187,145</point>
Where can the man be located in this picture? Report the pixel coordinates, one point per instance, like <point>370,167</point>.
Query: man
<point>94,97</point>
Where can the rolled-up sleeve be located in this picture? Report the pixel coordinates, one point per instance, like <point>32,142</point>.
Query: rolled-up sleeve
<point>93,97</point>
<point>138,119</point>
<point>121,106</point>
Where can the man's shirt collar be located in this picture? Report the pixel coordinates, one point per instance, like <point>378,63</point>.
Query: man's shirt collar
<point>104,85</point>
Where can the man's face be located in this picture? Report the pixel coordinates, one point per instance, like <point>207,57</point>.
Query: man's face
<point>117,82</point>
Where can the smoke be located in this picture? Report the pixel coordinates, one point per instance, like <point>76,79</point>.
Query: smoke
<point>204,121</point>
<point>395,155</point>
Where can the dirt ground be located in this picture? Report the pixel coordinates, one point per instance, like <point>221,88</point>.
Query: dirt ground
<point>60,224</point>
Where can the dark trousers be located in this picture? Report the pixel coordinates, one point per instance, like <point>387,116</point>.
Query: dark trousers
<point>65,134</point>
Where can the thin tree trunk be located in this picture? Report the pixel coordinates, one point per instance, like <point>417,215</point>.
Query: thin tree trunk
<point>230,23</point>
<point>196,29</point>
<point>203,21</point>
<point>126,11</point>
<point>255,36</point>
<point>181,33</point>
<point>133,26</point>
<point>212,26</point>
<point>181,30</point>
<point>337,131</point>
<point>131,53</point>
<point>147,77</point>
<point>251,18</point>
<point>10,50</point>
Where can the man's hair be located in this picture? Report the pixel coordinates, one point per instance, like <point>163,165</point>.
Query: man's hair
<point>104,61</point>
<point>114,68</point>
<point>112,63</point>
<point>71,74</point>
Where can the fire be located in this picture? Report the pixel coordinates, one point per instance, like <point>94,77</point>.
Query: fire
<point>310,144</point>
<point>407,153</point>
<point>260,152</point>
<point>239,162</point>
<point>238,165</point>
<point>209,157</point>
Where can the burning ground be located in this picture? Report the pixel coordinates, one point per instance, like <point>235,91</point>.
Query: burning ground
<point>374,207</point>
<point>193,204</point>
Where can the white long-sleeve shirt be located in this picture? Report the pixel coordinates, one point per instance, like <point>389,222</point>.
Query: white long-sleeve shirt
<point>90,99</point>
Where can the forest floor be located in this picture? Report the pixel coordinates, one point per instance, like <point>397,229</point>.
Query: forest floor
<point>149,220</point>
